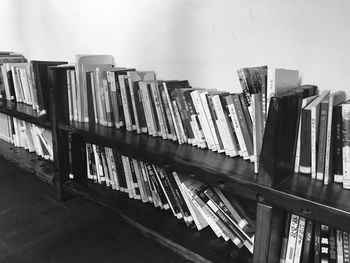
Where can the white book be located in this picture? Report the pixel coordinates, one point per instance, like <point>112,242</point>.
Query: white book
<point>292,238</point>
<point>300,239</point>
<point>88,147</point>
<point>127,113</point>
<point>225,130</point>
<point>140,182</point>
<point>339,242</point>
<point>127,172</point>
<point>197,102</point>
<point>335,98</point>
<point>149,113</point>
<point>280,80</point>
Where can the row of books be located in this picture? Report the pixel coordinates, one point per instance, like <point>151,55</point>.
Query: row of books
<point>25,82</point>
<point>307,241</point>
<point>323,138</point>
<point>224,122</point>
<point>29,136</point>
<point>189,200</point>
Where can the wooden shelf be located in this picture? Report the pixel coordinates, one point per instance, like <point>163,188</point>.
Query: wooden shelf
<point>200,246</point>
<point>23,112</point>
<point>310,198</point>
<point>28,161</point>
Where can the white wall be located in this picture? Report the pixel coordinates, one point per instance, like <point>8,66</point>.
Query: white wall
<point>199,40</point>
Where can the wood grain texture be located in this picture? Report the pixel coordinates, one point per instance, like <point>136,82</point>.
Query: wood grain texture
<point>35,227</point>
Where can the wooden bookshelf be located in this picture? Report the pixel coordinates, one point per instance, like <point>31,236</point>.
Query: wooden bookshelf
<point>28,161</point>
<point>23,112</point>
<point>202,246</point>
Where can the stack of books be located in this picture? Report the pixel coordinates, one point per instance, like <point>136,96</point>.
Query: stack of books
<point>25,82</point>
<point>307,241</point>
<point>29,136</point>
<point>189,200</point>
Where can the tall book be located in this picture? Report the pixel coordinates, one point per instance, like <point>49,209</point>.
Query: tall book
<point>292,238</point>
<point>346,144</point>
<point>338,144</point>
<point>309,129</point>
<point>335,98</point>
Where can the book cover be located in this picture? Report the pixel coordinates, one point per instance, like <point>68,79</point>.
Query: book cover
<point>346,143</point>
<point>335,98</point>
<point>337,144</point>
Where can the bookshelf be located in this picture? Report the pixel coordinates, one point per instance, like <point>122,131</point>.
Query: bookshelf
<point>296,193</point>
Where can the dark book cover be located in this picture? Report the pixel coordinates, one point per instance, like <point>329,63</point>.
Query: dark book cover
<point>337,144</point>
<point>321,141</point>
<point>90,102</point>
<point>153,108</point>
<point>134,178</point>
<point>42,83</point>
<point>11,85</point>
<point>243,125</point>
<point>246,114</point>
<point>119,169</point>
<point>138,105</point>
<point>184,111</point>
<point>308,238</point>
<point>280,137</point>
<point>156,184</point>
<point>178,195</point>
<point>244,86</point>
<point>317,243</point>
<point>305,142</point>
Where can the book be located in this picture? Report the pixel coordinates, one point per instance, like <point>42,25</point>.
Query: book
<point>309,123</point>
<point>325,256</point>
<point>307,244</point>
<point>346,143</point>
<point>346,247</point>
<point>338,144</point>
<point>280,80</point>
<point>292,238</point>
<point>258,127</point>
<point>299,240</point>
<point>332,245</point>
<point>339,242</point>
<point>317,242</point>
<point>321,140</point>
<point>285,236</point>
<point>335,98</point>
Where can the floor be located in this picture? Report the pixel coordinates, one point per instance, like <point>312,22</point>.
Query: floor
<point>35,227</point>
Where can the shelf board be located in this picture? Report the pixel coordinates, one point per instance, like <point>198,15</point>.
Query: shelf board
<point>28,161</point>
<point>199,246</point>
<point>23,112</point>
<point>210,167</point>
<point>328,204</point>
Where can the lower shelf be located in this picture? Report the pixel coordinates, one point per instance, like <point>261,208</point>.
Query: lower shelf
<point>199,246</point>
<point>28,161</point>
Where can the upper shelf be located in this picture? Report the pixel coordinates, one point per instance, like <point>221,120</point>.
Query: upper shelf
<point>23,112</point>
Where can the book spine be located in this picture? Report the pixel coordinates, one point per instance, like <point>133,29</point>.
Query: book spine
<point>307,241</point>
<point>244,85</point>
<point>258,128</point>
<point>337,145</point>
<point>157,186</point>
<point>243,125</point>
<point>233,114</point>
<point>74,94</point>
<point>69,92</point>
<point>207,115</point>
<point>315,114</point>
<point>324,243</point>
<point>127,113</point>
<point>305,142</point>
<point>300,239</point>
<point>317,243</point>
<point>202,118</point>
<point>171,128</point>
<point>292,238</point>
<point>119,100</point>
<point>140,109</point>
<point>127,174</point>
<point>321,151</point>
<point>214,119</point>
<point>247,113</point>
<point>185,114</point>
<point>339,242</point>
<point>183,137</point>
<point>346,247</point>
<point>107,96</point>
<point>159,112</point>
<point>346,145</point>
<point>271,89</point>
<point>155,119</point>
<point>332,245</point>
<point>134,101</point>
<point>134,181</point>
<point>113,97</point>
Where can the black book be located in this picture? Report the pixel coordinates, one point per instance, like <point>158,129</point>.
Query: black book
<point>308,238</point>
<point>11,85</point>
<point>156,184</point>
<point>119,169</point>
<point>90,102</point>
<point>42,84</point>
<point>317,243</point>
<point>337,144</point>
